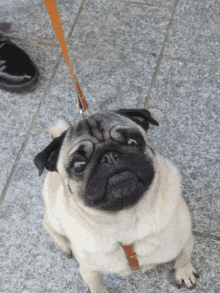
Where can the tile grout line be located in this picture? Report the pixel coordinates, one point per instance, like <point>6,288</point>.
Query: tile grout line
<point>17,160</point>
<point>146,103</point>
<point>145,4</point>
<point>206,235</point>
<point>28,41</point>
<point>182,59</point>
<point>76,20</point>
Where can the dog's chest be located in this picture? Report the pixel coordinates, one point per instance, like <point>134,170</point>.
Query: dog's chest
<point>103,250</point>
<point>101,247</point>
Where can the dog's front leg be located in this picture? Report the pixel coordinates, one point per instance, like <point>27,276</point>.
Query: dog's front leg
<point>60,240</point>
<point>93,280</point>
<point>184,271</point>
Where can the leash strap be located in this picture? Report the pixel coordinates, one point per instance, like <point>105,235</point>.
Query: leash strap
<point>56,22</point>
<point>82,103</point>
<point>131,257</point>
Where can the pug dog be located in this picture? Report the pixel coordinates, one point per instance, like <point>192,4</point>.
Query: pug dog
<point>107,190</point>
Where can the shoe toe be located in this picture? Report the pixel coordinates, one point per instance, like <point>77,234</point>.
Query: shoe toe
<point>17,71</point>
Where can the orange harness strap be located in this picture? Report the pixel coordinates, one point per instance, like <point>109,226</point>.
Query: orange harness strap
<point>55,20</point>
<point>131,257</point>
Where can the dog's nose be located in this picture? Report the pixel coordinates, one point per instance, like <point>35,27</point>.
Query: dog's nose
<point>109,157</point>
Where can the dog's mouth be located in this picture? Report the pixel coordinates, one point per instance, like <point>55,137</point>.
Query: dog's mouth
<point>120,176</point>
<point>119,190</point>
<point>121,186</point>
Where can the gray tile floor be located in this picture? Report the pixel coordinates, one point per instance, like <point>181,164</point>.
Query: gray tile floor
<point>161,54</point>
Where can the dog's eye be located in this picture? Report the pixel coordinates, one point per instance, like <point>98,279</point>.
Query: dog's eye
<point>134,139</point>
<point>132,142</point>
<point>79,166</point>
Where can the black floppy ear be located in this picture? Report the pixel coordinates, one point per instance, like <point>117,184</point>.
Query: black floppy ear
<point>140,116</point>
<point>49,156</point>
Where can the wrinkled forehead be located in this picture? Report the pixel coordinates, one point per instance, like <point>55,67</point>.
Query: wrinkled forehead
<point>99,125</point>
<point>97,128</point>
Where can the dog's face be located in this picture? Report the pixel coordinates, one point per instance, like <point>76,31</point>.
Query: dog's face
<point>106,161</point>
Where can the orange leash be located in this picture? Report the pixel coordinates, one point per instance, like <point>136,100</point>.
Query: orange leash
<point>55,20</point>
<point>82,103</point>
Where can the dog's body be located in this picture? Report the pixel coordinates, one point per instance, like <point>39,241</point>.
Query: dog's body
<point>140,202</point>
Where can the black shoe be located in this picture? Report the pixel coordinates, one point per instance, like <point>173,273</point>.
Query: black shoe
<point>17,72</point>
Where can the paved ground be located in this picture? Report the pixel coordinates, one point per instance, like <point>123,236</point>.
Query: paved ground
<point>161,54</point>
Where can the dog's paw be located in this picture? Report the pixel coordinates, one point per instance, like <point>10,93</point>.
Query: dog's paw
<point>188,275</point>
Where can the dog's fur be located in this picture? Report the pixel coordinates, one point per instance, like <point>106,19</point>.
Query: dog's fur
<point>127,194</point>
